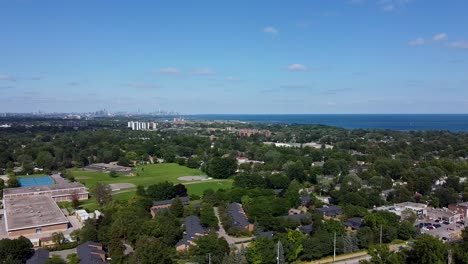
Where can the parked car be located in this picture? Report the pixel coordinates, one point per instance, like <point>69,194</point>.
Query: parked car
<point>430,227</point>
<point>450,228</point>
<point>446,223</point>
<point>437,225</point>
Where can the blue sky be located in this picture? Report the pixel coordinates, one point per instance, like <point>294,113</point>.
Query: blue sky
<point>301,56</point>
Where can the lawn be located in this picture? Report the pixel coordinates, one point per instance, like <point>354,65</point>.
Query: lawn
<point>199,188</point>
<point>123,196</point>
<point>144,175</point>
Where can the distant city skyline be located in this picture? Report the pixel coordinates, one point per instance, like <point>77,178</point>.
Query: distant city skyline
<point>237,57</point>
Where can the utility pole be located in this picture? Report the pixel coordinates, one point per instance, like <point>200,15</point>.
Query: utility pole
<point>334,247</point>
<point>209,258</point>
<point>380,234</point>
<point>277,253</point>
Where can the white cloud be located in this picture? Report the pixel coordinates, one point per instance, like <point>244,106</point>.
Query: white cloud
<point>170,70</point>
<point>440,37</point>
<point>417,42</point>
<point>460,44</point>
<point>203,72</point>
<point>271,30</point>
<point>5,77</point>
<point>297,68</point>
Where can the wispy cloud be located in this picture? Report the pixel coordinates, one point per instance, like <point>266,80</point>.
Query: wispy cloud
<point>271,31</point>
<point>356,2</point>
<point>145,86</point>
<point>5,77</point>
<point>417,42</point>
<point>303,24</point>
<point>392,5</point>
<point>232,79</point>
<point>169,71</point>
<point>6,87</point>
<point>440,37</point>
<point>204,72</point>
<point>73,83</point>
<point>460,44</point>
<point>297,68</point>
<point>335,91</point>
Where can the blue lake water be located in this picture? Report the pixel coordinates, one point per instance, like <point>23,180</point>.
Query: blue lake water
<point>402,122</point>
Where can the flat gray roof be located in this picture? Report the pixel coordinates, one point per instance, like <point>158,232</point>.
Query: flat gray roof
<point>32,211</point>
<point>44,188</point>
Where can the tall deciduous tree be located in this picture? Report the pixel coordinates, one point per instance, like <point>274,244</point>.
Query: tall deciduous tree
<point>151,250</point>
<point>103,193</point>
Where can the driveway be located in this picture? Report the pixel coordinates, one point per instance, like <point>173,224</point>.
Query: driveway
<point>63,253</point>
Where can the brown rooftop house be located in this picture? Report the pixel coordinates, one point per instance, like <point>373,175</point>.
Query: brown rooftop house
<point>32,215</point>
<point>165,204</point>
<point>238,217</point>
<point>193,230</point>
<point>59,192</point>
<point>91,253</point>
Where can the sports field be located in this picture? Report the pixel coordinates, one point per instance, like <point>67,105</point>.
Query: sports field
<point>144,175</point>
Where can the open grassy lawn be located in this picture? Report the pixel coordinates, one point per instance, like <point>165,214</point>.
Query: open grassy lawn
<point>144,175</point>
<point>124,196</point>
<point>199,188</point>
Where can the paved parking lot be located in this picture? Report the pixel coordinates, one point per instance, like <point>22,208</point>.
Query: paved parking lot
<point>443,231</point>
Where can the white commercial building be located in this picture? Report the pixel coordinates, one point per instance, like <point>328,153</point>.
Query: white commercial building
<point>136,125</point>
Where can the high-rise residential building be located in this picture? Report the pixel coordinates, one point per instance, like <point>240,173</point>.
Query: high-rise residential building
<point>137,125</point>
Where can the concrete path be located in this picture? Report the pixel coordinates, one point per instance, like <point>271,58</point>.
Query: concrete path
<point>63,253</point>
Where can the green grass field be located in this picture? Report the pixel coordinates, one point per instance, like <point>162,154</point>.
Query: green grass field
<point>199,188</point>
<point>144,175</point>
<point>147,175</point>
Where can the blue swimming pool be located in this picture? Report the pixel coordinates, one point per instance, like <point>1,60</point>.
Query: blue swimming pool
<point>36,181</point>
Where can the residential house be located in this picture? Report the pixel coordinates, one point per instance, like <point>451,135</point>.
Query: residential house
<point>40,256</point>
<point>193,230</point>
<point>307,229</point>
<point>165,204</point>
<point>91,253</point>
<point>330,211</point>
<point>354,223</point>
<point>47,241</point>
<point>238,217</point>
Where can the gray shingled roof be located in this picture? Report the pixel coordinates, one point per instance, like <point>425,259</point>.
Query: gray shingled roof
<point>307,229</point>
<point>331,210</point>
<point>87,253</point>
<point>354,222</point>
<point>237,215</point>
<point>40,257</point>
<point>185,201</point>
<point>193,229</point>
